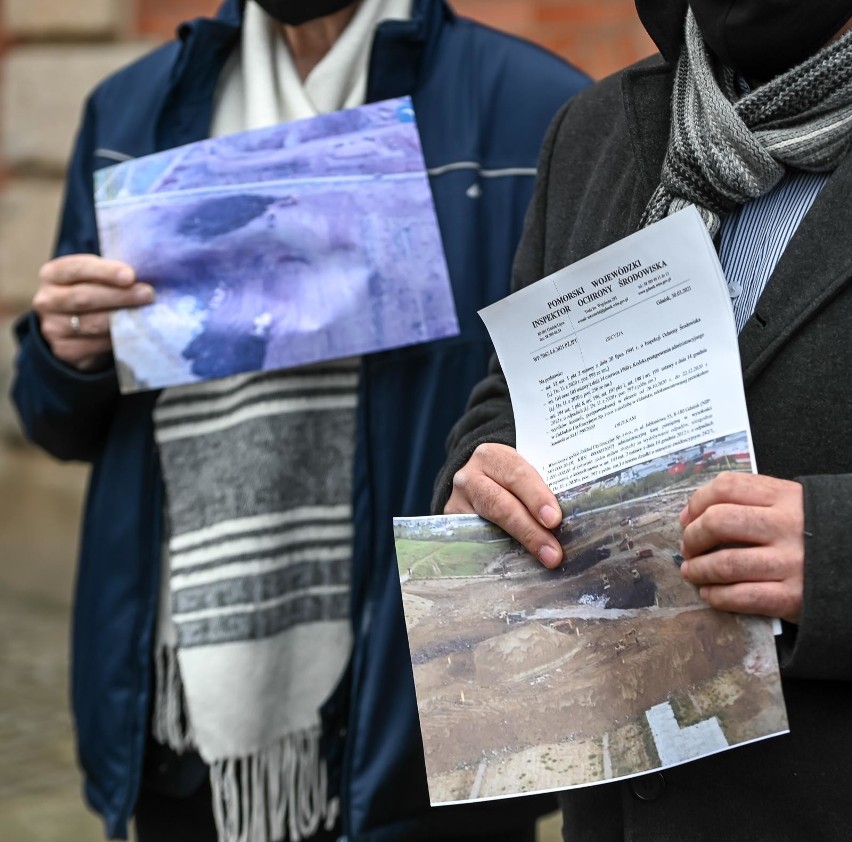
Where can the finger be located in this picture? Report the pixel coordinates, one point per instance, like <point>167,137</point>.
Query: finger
<point>732,487</point>
<point>495,503</point>
<point>769,599</point>
<point>505,466</point>
<point>84,297</point>
<point>725,523</point>
<point>90,268</point>
<point>732,565</point>
<point>59,326</point>
<point>459,504</point>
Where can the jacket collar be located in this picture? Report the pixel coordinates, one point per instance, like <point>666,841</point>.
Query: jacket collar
<point>646,92</point>
<point>663,20</point>
<point>205,44</point>
<point>402,48</point>
<point>399,52</point>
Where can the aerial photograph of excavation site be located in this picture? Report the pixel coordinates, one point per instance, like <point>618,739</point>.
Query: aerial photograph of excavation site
<point>531,679</point>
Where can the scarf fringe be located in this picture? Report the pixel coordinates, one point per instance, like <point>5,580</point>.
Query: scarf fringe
<point>170,722</point>
<point>280,792</point>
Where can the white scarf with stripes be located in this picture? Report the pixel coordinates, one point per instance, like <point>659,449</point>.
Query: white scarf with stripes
<point>253,629</point>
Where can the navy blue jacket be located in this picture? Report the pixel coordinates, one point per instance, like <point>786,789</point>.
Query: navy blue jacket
<point>483,102</point>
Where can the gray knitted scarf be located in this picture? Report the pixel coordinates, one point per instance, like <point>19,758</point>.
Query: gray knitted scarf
<point>726,149</point>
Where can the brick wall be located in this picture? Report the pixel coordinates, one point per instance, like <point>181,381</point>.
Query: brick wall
<point>600,36</point>
<point>53,52</point>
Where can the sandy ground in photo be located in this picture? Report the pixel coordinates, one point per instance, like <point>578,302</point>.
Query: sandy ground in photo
<point>529,679</point>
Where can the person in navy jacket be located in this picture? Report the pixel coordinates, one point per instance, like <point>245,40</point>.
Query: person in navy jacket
<point>483,101</point>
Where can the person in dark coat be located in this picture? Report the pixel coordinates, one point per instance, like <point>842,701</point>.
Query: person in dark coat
<point>178,730</point>
<point>747,114</point>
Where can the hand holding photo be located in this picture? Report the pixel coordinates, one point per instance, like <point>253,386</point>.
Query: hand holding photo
<point>609,664</point>
<point>268,249</point>
<point>531,680</point>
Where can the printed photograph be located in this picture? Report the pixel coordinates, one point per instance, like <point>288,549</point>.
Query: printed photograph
<point>279,247</point>
<point>532,680</point>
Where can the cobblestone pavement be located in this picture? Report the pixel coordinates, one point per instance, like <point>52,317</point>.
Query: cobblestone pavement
<point>40,798</point>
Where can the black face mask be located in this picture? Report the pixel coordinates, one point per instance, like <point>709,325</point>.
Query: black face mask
<point>295,12</point>
<point>763,38</point>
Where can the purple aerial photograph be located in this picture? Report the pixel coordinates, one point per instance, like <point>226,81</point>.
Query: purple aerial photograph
<point>278,247</point>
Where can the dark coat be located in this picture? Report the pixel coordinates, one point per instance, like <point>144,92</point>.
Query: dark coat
<point>601,162</point>
<point>483,101</point>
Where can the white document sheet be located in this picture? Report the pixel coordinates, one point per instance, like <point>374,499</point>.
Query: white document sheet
<point>627,354</point>
<point>627,392</point>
